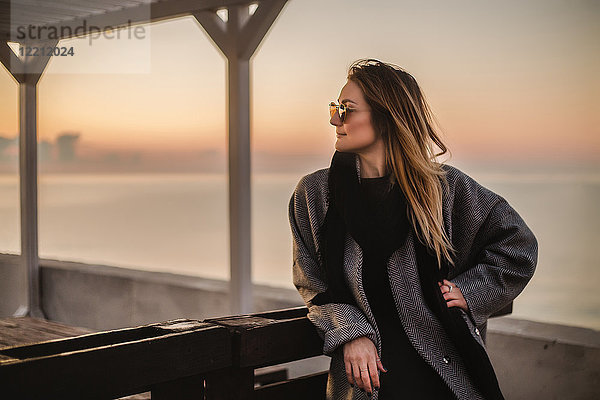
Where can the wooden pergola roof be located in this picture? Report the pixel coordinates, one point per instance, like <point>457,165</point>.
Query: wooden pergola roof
<point>116,13</point>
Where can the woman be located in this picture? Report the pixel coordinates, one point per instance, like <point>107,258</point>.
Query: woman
<point>401,259</point>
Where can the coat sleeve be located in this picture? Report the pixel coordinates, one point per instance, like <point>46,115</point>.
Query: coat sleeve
<point>503,260</point>
<point>336,323</point>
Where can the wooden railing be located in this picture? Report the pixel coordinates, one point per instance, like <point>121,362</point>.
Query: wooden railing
<point>213,359</point>
<point>180,359</point>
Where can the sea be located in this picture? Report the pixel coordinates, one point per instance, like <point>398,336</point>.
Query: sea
<point>179,223</point>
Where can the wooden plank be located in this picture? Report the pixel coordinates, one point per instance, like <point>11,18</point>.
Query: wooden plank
<point>15,331</point>
<point>119,369</point>
<point>139,396</point>
<point>99,339</point>
<point>259,341</point>
<point>285,313</point>
<point>270,374</point>
<point>306,387</point>
<point>279,342</point>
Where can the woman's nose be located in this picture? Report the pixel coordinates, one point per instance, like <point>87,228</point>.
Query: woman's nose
<point>335,119</point>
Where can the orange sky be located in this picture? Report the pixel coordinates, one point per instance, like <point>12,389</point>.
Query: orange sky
<point>506,80</point>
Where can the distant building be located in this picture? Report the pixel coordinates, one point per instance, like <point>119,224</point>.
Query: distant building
<point>65,144</point>
<point>45,148</point>
<point>8,147</point>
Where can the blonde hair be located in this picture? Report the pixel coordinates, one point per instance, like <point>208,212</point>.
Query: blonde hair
<point>401,115</point>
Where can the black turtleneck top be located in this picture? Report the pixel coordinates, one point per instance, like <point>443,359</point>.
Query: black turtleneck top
<point>409,376</point>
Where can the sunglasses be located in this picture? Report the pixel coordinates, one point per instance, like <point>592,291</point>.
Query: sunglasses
<point>341,109</point>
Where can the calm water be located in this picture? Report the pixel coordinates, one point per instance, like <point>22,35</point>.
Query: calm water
<point>178,223</point>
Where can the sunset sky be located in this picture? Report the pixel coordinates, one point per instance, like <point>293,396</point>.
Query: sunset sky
<point>510,80</point>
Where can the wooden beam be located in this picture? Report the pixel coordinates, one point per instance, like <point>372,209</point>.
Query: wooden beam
<point>129,16</point>
<point>19,331</point>
<point>216,29</point>
<point>262,341</point>
<point>258,25</point>
<point>170,359</point>
<point>130,361</point>
<point>10,61</point>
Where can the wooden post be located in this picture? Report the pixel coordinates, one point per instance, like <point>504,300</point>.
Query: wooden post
<point>27,72</point>
<point>238,38</point>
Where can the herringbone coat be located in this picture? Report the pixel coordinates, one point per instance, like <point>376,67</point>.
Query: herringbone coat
<point>496,257</point>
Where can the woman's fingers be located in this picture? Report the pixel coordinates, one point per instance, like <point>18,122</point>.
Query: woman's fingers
<point>460,303</point>
<point>456,303</point>
<point>380,366</point>
<point>365,376</point>
<point>374,375</point>
<point>362,364</point>
<point>349,372</point>
<point>361,375</point>
<point>453,295</point>
<point>447,287</point>
<point>366,379</point>
<point>451,287</point>
<point>357,374</point>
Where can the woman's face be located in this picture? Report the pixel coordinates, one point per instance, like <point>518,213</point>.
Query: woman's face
<point>356,133</point>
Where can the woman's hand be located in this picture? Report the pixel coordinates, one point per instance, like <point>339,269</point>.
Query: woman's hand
<point>362,364</point>
<point>453,295</point>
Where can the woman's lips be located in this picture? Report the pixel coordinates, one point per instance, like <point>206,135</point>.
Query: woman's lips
<point>340,134</point>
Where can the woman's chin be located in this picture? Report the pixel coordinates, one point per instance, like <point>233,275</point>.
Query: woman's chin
<point>340,146</point>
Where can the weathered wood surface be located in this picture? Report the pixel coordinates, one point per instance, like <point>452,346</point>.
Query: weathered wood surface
<point>121,364</point>
<point>100,339</point>
<point>260,340</point>
<point>271,338</point>
<point>16,331</point>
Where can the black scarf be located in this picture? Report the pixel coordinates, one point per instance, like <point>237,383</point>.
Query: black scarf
<point>346,213</point>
